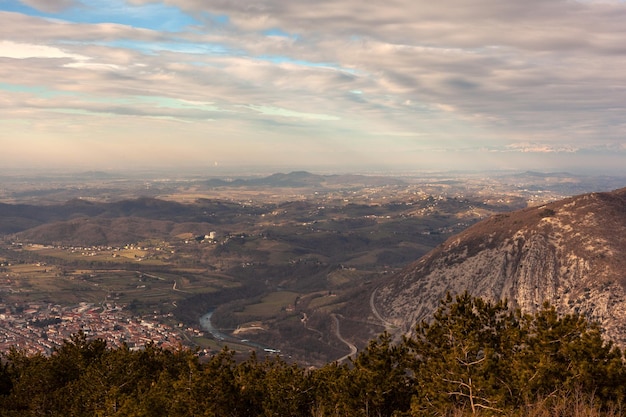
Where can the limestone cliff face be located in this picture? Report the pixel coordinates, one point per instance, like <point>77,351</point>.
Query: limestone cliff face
<point>571,253</point>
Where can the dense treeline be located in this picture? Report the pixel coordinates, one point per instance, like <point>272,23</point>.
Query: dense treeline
<point>474,358</point>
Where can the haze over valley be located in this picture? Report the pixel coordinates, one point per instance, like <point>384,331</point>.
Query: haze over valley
<point>287,262</point>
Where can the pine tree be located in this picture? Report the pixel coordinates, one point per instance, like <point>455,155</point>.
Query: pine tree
<point>460,359</point>
<point>567,353</point>
<point>380,380</point>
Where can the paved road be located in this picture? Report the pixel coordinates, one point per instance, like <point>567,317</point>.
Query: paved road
<point>353,349</point>
<point>388,325</point>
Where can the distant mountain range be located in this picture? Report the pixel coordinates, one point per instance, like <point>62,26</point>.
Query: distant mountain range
<point>306,179</point>
<point>571,253</point>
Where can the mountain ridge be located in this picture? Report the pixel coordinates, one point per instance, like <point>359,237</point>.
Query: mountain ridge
<point>568,252</point>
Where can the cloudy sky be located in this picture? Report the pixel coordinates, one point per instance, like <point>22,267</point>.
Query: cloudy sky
<point>334,84</point>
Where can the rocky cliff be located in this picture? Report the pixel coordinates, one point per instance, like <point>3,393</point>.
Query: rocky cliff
<point>571,253</point>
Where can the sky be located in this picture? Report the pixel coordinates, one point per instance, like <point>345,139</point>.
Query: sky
<point>343,85</point>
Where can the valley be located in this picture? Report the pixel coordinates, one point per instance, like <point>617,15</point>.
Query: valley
<point>283,263</point>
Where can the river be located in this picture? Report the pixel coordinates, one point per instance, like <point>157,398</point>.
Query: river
<point>206,325</point>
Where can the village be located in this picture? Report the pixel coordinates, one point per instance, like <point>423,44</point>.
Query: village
<point>37,328</point>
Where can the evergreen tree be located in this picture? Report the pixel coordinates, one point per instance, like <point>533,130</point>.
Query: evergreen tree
<point>474,357</point>
<point>566,354</point>
<point>483,357</point>
<point>461,358</point>
<point>380,382</point>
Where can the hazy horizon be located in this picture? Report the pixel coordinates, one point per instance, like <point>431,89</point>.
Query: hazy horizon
<point>234,172</point>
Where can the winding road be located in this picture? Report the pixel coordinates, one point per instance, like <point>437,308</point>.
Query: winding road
<point>353,349</point>
<point>388,325</point>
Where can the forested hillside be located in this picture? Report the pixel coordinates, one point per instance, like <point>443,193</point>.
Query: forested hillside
<point>474,358</point>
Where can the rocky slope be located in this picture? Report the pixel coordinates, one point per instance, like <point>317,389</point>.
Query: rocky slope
<point>571,253</point>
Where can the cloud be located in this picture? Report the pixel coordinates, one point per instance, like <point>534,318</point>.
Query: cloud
<point>540,148</point>
<point>535,24</point>
<point>276,111</point>
<point>16,50</point>
<point>50,6</point>
<point>518,77</point>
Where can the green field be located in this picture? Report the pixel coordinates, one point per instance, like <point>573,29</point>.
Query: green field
<point>45,283</point>
<point>271,304</point>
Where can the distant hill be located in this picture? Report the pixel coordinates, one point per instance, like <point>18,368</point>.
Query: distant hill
<point>544,174</point>
<point>91,223</point>
<point>571,253</point>
<point>108,231</point>
<point>298,179</point>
